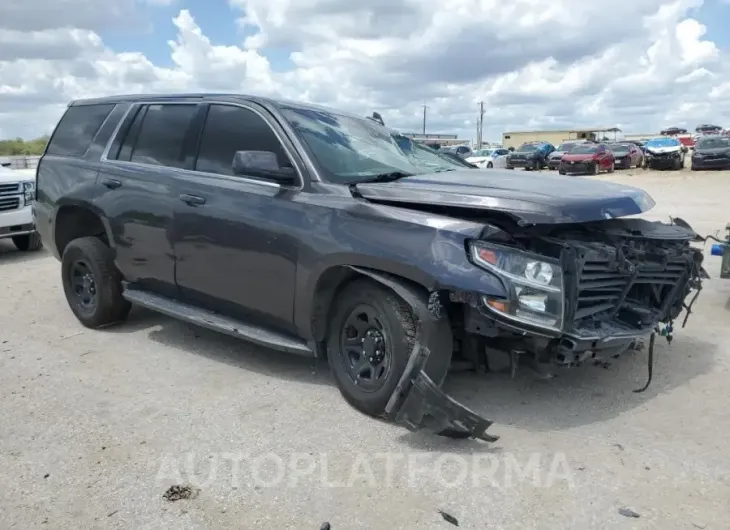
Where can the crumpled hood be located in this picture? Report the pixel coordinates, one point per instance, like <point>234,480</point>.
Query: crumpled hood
<point>664,149</point>
<point>531,199</point>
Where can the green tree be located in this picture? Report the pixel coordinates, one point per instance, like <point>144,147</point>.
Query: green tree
<point>21,147</point>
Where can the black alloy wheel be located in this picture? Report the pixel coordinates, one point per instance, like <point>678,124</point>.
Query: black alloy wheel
<point>365,346</point>
<point>371,335</point>
<point>83,285</point>
<point>92,283</point>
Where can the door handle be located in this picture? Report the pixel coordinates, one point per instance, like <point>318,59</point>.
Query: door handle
<point>192,200</point>
<point>112,184</point>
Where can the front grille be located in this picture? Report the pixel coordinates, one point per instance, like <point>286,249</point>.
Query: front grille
<point>606,289</point>
<point>7,189</point>
<point>577,167</point>
<point>9,203</point>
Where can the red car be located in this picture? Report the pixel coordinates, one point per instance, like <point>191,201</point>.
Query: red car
<point>587,159</point>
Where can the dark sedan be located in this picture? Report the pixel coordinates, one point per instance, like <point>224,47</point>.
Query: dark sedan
<point>711,152</point>
<point>627,155</point>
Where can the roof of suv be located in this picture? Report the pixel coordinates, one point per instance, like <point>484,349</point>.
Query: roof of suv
<point>279,103</point>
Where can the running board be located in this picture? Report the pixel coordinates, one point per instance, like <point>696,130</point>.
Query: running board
<point>213,321</point>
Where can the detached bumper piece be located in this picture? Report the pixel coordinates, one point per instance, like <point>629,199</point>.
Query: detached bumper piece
<point>419,403</point>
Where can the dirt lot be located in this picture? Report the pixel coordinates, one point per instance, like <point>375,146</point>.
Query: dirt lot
<point>96,426</point>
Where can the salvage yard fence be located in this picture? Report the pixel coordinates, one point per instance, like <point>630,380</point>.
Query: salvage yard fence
<point>20,161</point>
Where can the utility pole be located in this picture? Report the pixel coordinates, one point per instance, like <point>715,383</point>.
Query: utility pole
<point>424,119</point>
<point>480,125</point>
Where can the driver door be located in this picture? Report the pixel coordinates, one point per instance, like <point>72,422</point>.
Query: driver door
<point>235,251</point>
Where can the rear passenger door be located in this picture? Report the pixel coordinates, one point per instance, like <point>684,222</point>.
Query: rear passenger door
<point>139,196</point>
<point>233,243</point>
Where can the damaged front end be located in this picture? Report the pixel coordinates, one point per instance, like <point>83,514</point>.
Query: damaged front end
<point>584,291</point>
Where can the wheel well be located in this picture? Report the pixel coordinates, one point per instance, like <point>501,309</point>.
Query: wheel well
<point>73,222</point>
<point>331,282</point>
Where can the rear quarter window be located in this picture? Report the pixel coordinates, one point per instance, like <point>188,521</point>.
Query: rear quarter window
<point>77,129</point>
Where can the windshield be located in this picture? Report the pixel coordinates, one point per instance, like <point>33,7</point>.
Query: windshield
<point>713,142</point>
<point>483,152</point>
<point>583,149</point>
<point>426,159</point>
<point>566,146</point>
<point>619,148</point>
<point>348,149</point>
<point>527,148</point>
<point>662,142</point>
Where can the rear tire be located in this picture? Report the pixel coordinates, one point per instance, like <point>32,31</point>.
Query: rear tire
<point>612,168</point>
<point>28,242</point>
<point>92,283</point>
<point>384,328</point>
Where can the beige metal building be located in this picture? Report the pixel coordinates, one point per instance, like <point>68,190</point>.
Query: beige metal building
<point>443,140</point>
<point>517,138</point>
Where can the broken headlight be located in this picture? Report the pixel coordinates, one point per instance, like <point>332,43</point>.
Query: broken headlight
<point>534,285</point>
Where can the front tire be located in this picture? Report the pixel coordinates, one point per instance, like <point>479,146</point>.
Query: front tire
<point>595,169</point>
<point>369,341</point>
<point>490,165</point>
<point>92,283</point>
<point>28,242</point>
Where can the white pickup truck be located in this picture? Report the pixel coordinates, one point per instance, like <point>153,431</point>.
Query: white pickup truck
<point>17,193</point>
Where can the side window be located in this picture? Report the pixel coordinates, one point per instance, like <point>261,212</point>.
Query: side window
<point>157,134</point>
<point>77,129</point>
<point>229,129</point>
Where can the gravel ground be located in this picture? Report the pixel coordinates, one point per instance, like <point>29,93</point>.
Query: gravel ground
<point>96,426</point>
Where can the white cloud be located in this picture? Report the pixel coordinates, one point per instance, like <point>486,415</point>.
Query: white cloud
<point>643,64</point>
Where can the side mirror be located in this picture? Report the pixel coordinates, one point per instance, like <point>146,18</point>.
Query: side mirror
<point>262,164</point>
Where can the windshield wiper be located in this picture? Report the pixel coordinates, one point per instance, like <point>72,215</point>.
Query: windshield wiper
<point>385,177</point>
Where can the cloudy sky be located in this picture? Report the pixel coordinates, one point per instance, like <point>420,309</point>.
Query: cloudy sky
<point>637,64</point>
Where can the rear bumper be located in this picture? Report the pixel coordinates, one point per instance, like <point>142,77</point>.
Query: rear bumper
<point>16,222</point>
<point>43,216</point>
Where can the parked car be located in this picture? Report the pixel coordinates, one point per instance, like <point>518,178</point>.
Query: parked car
<point>664,153</point>
<point>672,131</point>
<point>587,159</point>
<point>530,155</point>
<point>17,194</point>
<point>708,129</point>
<point>310,231</point>
<point>711,152</point>
<point>557,155</point>
<point>626,155</point>
<point>489,158</point>
<point>464,151</point>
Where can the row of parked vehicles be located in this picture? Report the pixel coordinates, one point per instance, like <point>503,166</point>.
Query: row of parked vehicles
<point>588,157</point>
